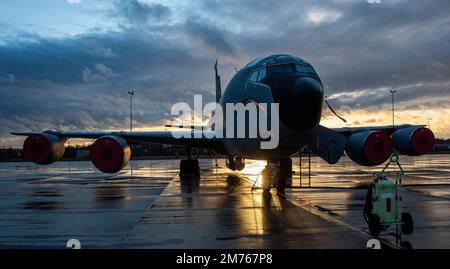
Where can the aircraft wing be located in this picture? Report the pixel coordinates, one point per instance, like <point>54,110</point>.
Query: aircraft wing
<point>191,138</point>
<point>330,144</point>
<point>388,129</point>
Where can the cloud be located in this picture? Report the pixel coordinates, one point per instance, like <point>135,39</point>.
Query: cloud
<point>96,50</point>
<point>165,53</point>
<point>136,13</point>
<point>9,78</point>
<point>74,2</point>
<point>99,73</point>
<point>319,16</point>
<point>210,36</point>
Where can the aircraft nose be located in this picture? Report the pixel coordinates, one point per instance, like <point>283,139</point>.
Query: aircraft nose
<point>300,108</point>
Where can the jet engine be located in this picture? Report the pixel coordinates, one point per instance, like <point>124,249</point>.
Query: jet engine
<point>110,154</point>
<point>413,141</point>
<point>44,148</point>
<point>369,148</point>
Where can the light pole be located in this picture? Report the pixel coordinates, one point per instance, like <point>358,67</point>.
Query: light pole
<point>131,93</point>
<point>393,118</point>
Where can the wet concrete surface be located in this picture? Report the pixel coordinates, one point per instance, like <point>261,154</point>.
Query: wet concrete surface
<point>151,207</point>
<point>340,190</point>
<point>218,213</point>
<point>43,207</point>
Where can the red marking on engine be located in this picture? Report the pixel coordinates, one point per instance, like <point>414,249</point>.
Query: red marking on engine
<point>422,140</point>
<point>107,154</point>
<point>37,148</point>
<point>378,147</point>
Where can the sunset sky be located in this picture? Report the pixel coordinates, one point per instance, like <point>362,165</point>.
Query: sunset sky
<point>68,64</point>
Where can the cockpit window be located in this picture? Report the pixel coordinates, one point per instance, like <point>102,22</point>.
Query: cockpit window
<point>254,76</point>
<point>305,69</point>
<point>258,75</point>
<point>261,74</point>
<point>280,69</point>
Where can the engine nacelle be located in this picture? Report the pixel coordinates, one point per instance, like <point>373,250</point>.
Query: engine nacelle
<point>413,141</point>
<point>369,148</point>
<point>44,148</point>
<point>110,154</point>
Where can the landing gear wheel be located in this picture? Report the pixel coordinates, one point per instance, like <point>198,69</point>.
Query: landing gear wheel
<point>190,168</point>
<point>407,223</point>
<point>374,225</point>
<point>230,163</point>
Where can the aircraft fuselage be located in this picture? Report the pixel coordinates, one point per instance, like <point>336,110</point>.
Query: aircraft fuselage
<point>288,81</point>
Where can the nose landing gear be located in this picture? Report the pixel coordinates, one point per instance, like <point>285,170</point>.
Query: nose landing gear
<point>189,167</point>
<point>277,174</point>
<point>235,163</point>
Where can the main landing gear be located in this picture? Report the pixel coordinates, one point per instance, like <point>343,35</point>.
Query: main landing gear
<point>278,174</point>
<point>189,167</point>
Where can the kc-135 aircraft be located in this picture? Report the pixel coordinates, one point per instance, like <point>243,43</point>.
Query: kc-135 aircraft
<point>287,80</point>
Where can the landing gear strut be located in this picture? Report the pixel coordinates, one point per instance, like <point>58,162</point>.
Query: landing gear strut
<point>284,174</point>
<point>277,174</point>
<point>189,167</point>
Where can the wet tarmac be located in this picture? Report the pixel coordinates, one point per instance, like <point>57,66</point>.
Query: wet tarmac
<point>147,206</point>
<point>340,191</point>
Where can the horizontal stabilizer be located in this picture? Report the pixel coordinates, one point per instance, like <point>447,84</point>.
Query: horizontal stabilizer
<point>328,144</point>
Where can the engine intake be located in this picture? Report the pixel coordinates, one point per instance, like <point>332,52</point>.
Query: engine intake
<point>369,148</point>
<point>413,141</point>
<point>110,154</point>
<point>44,148</point>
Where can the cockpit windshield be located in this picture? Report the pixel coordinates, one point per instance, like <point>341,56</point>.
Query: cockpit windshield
<point>260,74</point>
<point>305,69</point>
<point>280,69</point>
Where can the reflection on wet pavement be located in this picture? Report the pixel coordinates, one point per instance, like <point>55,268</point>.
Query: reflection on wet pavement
<point>341,189</point>
<point>221,211</point>
<point>153,208</point>
<point>44,206</point>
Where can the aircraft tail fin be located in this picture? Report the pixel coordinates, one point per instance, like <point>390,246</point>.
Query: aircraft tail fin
<point>218,86</point>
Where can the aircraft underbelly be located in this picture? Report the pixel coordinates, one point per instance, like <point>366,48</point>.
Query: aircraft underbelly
<point>290,143</point>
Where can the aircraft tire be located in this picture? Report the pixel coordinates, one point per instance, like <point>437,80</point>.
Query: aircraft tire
<point>189,168</point>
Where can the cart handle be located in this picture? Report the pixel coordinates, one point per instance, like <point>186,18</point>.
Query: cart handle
<point>395,160</point>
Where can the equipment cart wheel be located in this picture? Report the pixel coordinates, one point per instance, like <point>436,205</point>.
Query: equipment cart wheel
<point>374,225</point>
<point>407,223</point>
